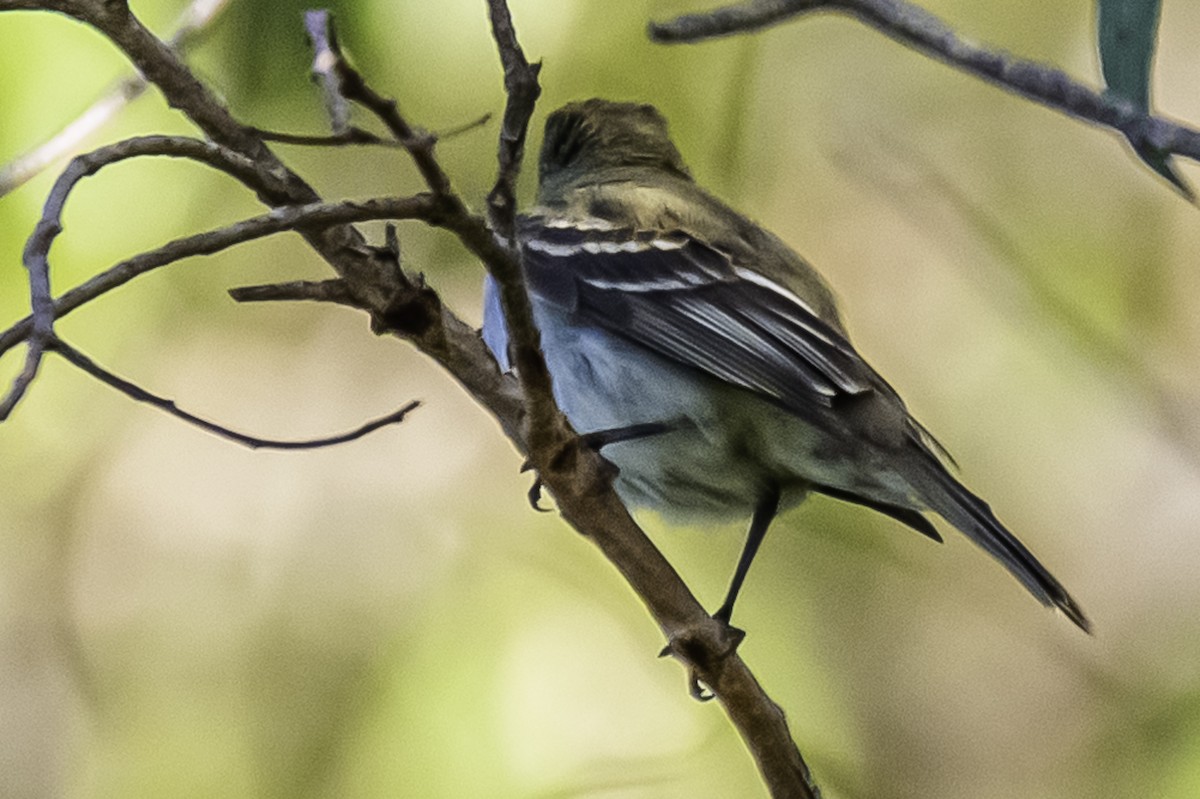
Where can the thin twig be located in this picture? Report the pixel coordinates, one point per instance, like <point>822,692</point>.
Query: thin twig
<point>924,32</point>
<point>139,394</point>
<point>356,136</point>
<point>501,258</point>
<point>300,217</point>
<point>351,136</point>
<point>729,20</point>
<point>333,291</point>
<point>37,248</point>
<point>522,90</point>
<point>41,329</point>
<point>326,53</point>
<point>708,648</point>
<point>466,127</point>
<point>344,82</point>
<point>192,22</point>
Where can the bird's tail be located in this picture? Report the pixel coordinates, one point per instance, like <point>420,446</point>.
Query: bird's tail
<point>947,497</point>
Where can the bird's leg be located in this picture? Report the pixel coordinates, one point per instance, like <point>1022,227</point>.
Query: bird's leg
<point>764,513</point>
<point>602,438</point>
<point>598,439</point>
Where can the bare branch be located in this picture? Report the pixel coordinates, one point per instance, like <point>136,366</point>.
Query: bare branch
<point>466,127</point>
<point>521,87</point>
<point>348,86</point>
<point>244,169</point>
<point>333,291</point>
<point>500,259</point>
<point>729,20</point>
<point>300,217</point>
<point>37,248</point>
<point>139,394</point>
<point>522,90</point>
<point>350,136</point>
<point>326,55</point>
<point>41,329</point>
<point>375,281</point>
<point>192,22</point>
<point>917,28</point>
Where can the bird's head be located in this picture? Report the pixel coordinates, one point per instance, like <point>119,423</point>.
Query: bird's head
<point>595,135</point>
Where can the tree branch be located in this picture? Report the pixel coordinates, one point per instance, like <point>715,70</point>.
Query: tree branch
<point>37,248</point>
<point>357,136</point>
<point>333,291</point>
<point>924,32</point>
<point>522,89</point>
<point>342,84</point>
<point>348,137</point>
<point>139,394</point>
<point>500,259</point>
<point>300,217</point>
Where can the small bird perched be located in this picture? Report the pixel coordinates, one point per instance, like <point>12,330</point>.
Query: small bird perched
<point>708,359</point>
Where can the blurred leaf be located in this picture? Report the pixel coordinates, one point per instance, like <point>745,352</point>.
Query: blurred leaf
<point>1127,30</point>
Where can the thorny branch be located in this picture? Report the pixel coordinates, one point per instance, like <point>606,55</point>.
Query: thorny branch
<point>371,278</point>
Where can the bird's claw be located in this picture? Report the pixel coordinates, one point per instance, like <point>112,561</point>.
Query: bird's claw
<point>535,490</point>
<point>703,654</point>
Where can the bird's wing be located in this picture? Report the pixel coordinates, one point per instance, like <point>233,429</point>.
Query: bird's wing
<point>674,294</point>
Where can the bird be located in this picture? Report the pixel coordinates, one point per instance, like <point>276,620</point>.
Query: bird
<point>708,360</point>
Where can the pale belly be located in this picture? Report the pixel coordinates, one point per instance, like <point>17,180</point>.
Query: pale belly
<point>726,446</point>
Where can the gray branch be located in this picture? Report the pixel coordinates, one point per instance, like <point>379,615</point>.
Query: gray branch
<point>914,27</point>
<point>139,394</point>
<point>315,215</point>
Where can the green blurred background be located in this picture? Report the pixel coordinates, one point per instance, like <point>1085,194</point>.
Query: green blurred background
<point>182,617</point>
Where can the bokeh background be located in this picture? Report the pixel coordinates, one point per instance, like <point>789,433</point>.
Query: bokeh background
<point>182,617</point>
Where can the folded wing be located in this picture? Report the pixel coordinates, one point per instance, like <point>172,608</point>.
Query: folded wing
<point>688,301</point>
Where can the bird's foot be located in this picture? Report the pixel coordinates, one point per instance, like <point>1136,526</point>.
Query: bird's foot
<point>704,649</point>
<point>595,441</point>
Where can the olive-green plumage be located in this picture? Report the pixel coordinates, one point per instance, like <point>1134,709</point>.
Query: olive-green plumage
<point>616,161</point>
